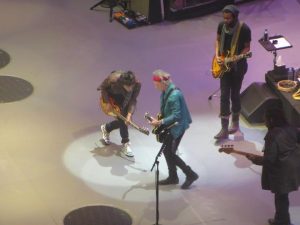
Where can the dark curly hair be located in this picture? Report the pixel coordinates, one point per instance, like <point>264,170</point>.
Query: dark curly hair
<point>127,78</point>
<point>275,117</point>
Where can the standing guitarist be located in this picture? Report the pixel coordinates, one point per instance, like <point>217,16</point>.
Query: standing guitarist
<point>119,90</point>
<point>233,39</point>
<point>176,116</point>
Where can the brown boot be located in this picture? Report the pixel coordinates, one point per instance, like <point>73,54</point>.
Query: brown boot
<point>223,133</point>
<point>235,125</point>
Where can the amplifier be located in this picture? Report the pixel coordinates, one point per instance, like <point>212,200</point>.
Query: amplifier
<point>152,9</point>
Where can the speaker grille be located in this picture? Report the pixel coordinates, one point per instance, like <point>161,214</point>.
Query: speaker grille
<point>255,99</point>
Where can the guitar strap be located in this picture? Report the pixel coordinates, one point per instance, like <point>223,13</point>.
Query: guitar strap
<point>164,101</point>
<point>235,39</point>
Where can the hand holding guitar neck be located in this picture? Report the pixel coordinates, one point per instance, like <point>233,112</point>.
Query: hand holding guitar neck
<point>128,119</point>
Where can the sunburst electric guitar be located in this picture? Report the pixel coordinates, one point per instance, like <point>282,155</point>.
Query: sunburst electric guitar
<point>218,70</point>
<point>116,112</point>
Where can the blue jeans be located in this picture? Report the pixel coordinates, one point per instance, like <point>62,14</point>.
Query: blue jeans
<point>119,124</point>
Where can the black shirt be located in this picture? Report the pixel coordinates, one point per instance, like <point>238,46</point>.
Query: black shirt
<point>245,37</point>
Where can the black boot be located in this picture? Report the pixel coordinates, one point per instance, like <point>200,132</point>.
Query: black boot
<point>171,179</point>
<point>223,133</point>
<point>273,222</point>
<point>235,125</point>
<point>191,176</point>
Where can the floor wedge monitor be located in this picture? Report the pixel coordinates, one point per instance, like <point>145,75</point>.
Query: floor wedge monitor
<point>255,99</point>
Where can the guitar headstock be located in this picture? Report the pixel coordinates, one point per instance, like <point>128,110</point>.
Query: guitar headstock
<point>148,117</point>
<point>144,130</point>
<point>226,148</point>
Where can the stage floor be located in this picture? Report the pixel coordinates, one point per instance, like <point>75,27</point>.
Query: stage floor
<point>52,161</point>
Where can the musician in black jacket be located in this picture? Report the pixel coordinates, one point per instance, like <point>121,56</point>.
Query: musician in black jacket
<point>122,88</point>
<point>233,38</point>
<point>280,162</point>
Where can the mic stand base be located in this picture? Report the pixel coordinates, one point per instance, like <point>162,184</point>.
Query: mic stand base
<point>111,4</point>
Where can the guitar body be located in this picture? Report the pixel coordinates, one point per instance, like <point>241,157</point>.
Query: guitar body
<point>159,131</point>
<point>116,109</point>
<point>116,112</point>
<point>218,70</point>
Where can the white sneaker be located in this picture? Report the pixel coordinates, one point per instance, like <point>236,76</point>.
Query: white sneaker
<point>126,150</point>
<point>105,134</point>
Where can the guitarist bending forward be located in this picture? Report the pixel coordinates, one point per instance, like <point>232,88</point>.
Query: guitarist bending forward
<point>233,39</point>
<point>119,90</point>
<point>173,110</point>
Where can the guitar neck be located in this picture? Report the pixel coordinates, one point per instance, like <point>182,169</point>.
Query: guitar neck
<point>237,57</point>
<point>243,153</point>
<point>229,149</point>
<point>240,152</point>
<point>143,130</point>
<point>119,115</point>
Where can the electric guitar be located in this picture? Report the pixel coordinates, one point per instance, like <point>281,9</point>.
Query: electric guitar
<point>218,70</point>
<point>116,112</point>
<point>229,149</point>
<point>159,131</point>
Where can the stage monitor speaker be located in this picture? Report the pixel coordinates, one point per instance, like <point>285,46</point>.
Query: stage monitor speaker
<point>255,99</point>
<point>152,9</point>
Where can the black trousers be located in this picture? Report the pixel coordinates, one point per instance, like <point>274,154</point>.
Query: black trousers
<point>282,216</point>
<point>119,124</point>
<point>230,84</point>
<point>172,158</point>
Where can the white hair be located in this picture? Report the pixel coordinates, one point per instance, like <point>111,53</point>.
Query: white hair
<point>163,75</point>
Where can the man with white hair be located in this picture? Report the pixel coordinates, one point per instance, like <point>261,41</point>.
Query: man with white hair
<point>173,111</point>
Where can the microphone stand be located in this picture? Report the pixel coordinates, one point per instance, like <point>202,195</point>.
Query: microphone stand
<point>213,94</point>
<point>110,3</point>
<point>156,163</point>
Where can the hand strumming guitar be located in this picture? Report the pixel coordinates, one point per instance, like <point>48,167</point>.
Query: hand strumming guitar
<point>220,60</point>
<point>155,122</point>
<point>128,118</point>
